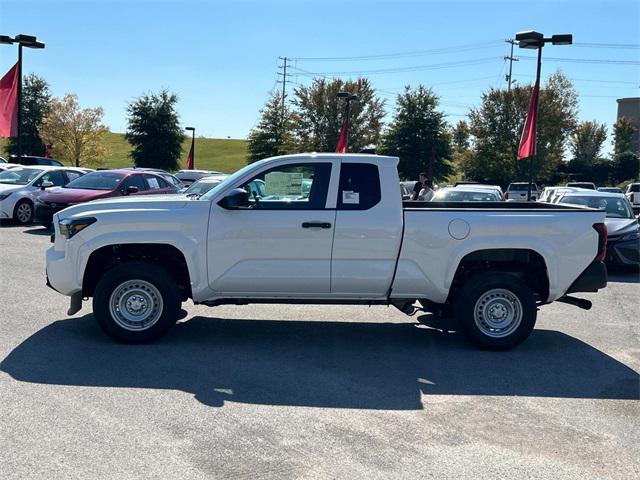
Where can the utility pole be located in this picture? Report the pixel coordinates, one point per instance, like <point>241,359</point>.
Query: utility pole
<point>511,59</point>
<point>283,67</point>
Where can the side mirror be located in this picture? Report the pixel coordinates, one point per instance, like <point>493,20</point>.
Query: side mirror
<point>131,190</point>
<point>46,184</point>
<point>236,198</point>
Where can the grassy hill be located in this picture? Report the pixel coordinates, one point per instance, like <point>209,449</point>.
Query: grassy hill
<point>211,153</point>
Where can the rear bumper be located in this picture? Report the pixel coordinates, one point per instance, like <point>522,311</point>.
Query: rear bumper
<point>592,279</point>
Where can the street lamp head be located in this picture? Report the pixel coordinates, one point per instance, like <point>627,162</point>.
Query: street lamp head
<point>190,129</point>
<point>562,39</point>
<point>37,45</point>
<point>6,39</point>
<point>25,40</point>
<point>343,94</point>
<point>530,39</point>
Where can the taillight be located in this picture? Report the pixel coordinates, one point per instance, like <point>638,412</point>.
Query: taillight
<point>601,228</point>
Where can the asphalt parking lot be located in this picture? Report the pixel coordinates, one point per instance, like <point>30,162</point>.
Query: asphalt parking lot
<point>280,391</point>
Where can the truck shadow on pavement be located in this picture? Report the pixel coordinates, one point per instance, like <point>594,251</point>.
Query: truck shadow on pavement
<point>318,364</point>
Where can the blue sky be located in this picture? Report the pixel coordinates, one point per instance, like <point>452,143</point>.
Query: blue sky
<point>221,57</point>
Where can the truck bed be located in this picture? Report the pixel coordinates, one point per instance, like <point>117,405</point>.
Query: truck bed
<point>536,206</point>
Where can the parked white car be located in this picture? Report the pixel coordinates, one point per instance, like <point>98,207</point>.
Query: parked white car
<point>518,191</point>
<point>202,186</point>
<point>467,193</point>
<point>187,177</point>
<point>20,186</point>
<point>633,194</point>
<point>7,166</point>
<point>323,228</point>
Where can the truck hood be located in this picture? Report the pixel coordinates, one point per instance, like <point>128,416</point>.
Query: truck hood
<point>143,202</point>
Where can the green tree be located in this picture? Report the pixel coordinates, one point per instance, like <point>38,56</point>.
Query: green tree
<point>623,131</point>
<point>586,145</point>
<point>318,115</point>
<point>625,166</point>
<point>77,134</point>
<point>496,126</point>
<point>272,135</point>
<point>461,137</point>
<point>417,132</point>
<point>36,103</point>
<point>154,131</point>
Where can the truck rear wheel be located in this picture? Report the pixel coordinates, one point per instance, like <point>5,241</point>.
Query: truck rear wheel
<point>136,302</point>
<point>496,311</point>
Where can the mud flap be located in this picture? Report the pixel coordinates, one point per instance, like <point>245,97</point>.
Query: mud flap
<point>75,304</point>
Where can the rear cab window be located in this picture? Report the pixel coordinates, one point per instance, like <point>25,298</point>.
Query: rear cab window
<point>359,187</point>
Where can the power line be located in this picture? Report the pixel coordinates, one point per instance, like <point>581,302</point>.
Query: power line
<point>585,60</point>
<point>436,66</point>
<point>415,53</point>
<point>632,46</point>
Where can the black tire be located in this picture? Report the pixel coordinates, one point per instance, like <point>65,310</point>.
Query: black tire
<point>19,212</point>
<point>133,273</point>
<point>505,293</point>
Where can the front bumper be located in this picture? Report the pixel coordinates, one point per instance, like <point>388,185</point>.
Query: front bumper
<point>44,213</point>
<point>592,279</point>
<point>61,273</point>
<point>623,253</point>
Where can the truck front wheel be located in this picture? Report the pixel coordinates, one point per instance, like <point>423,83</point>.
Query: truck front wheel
<point>496,311</point>
<point>136,302</point>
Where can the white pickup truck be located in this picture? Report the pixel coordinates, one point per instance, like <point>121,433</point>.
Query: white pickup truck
<point>324,228</point>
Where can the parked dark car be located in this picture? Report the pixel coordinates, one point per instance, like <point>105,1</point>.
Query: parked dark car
<point>164,174</point>
<point>33,160</point>
<point>97,185</point>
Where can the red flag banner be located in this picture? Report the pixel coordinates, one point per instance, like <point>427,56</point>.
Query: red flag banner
<point>190,158</point>
<point>342,139</point>
<point>9,103</point>
<point>527,146</point>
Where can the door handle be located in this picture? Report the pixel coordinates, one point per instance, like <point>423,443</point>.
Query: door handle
<point>316,225</point>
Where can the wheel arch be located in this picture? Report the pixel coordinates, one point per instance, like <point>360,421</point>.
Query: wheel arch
<point>525,263</point>
<point>164,255</point>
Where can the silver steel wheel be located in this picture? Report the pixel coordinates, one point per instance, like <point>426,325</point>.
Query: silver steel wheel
<point>23,212</point>
<point>135,305</point>
<point>498,313</point>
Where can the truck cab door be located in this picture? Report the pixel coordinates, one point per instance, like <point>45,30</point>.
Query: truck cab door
<point>368,230</point>
<point>280,243</point>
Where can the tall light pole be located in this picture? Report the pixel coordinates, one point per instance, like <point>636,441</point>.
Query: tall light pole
<point>28,41</point>
<point>193,146</point>
<point>349,97</point>
<point>536,40</point>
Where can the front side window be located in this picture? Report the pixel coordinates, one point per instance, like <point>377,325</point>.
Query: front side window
<point>294,187</point>
<point>359,187</point>
<point>135,181</point>
<point>54,176</point>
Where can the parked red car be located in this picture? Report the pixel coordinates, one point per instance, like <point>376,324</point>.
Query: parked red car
<point>96,185</point>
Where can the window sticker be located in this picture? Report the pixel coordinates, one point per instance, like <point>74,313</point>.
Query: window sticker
<point>153,182</point>
<point>349,196</point>
<point>283,183</point>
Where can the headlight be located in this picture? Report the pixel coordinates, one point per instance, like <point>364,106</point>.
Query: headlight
<point>4,195</point>
<point>630,236</point>
<point>69,227</point>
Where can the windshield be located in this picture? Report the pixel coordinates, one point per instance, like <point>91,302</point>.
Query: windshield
<point>464,196</point>
<point>19,176</point>
<point>97,181</point>
<point>200,188</point>
<point>522,187</point>
<point>615,207</point>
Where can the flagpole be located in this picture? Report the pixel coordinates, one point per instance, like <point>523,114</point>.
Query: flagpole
<point>19,101</point>
<point>535,123</point>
